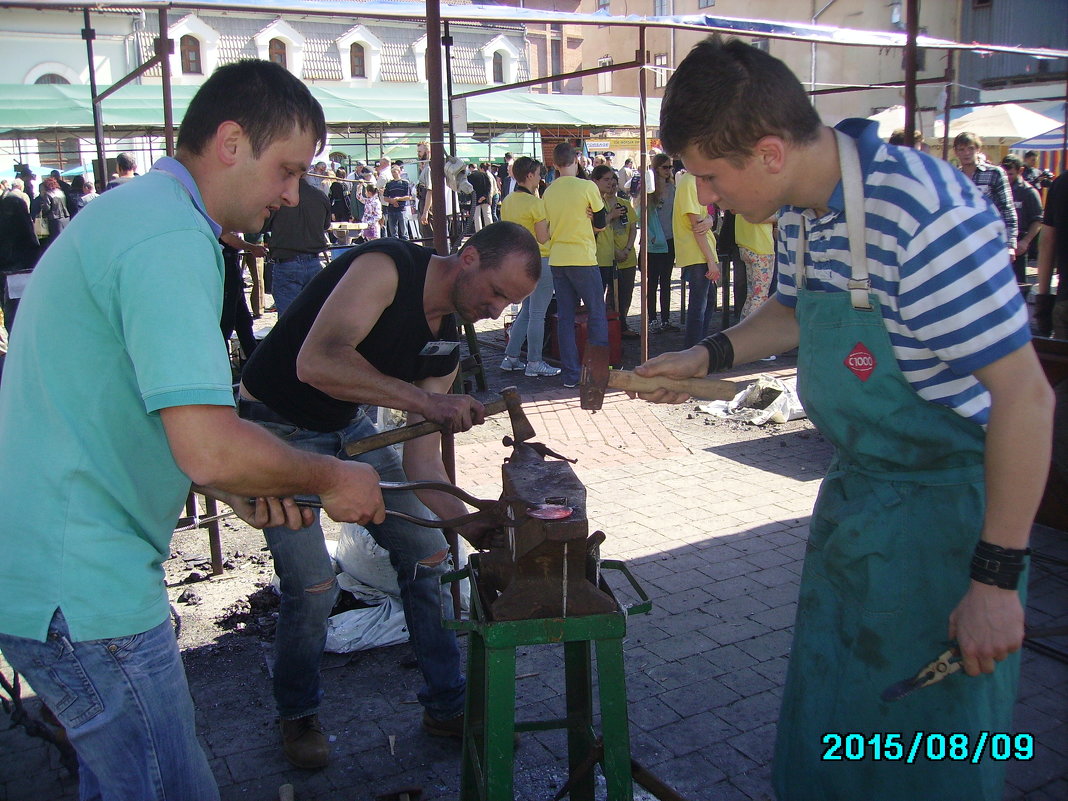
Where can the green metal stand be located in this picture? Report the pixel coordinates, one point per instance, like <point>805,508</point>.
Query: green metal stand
<point>489,746</point>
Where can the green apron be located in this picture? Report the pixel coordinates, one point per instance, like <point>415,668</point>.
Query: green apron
<point>891,538</point>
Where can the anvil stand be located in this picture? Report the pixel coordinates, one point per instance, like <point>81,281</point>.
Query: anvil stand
<point>489,746</point>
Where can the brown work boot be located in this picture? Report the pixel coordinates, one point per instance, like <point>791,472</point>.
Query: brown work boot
<point>304,743</point>
<point>453,727</point>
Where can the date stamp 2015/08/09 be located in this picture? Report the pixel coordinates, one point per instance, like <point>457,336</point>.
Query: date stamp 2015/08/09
<point>928,746</point>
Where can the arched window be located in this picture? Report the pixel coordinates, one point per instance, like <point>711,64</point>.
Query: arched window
<point>276,51</point>
<point>498,67</point>
<point>51,77</point>
<point>358,60</point>
<point>189,46</point>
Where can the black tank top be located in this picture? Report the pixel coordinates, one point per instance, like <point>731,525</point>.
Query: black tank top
<point>392,346</point>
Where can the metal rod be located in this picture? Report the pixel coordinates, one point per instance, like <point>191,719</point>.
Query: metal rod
<point>98,123</point>
<point>437,125</point>
<point>912,22</point>
<point>643,195</point>
<point>950,89</point>
<point>163,53</point>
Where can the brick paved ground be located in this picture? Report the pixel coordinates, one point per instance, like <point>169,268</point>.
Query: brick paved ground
<point>711,519</point>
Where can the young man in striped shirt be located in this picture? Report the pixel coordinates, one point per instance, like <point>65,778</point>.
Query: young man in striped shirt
<point>915,361</point>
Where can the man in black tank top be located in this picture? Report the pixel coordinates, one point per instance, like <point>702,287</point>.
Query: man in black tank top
<point>377,327</point>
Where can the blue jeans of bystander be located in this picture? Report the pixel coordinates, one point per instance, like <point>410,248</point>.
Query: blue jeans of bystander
<point>701,303</point>
<point>291,276</point>
<point>125,705</point>
<point>529,324</point>
<point>396,223</point>
<point>309,589</point>
<point>574,284</point>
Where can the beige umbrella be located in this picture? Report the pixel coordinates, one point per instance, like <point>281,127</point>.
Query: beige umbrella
<point>1004,123</point>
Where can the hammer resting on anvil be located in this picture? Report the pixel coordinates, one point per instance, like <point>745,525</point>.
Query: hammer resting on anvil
<point>509,402</point>
<point>596,378</point>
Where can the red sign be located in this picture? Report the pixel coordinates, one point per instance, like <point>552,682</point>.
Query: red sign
<point>860,362</point>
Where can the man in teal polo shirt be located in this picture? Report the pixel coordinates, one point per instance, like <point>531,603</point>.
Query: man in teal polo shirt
<point>114,403</point>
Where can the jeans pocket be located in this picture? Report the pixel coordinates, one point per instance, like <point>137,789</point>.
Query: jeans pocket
<point>63,682</point>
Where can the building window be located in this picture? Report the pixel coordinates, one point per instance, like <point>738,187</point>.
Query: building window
<point>604,79</point>
<point>358,60</point>
<point>60,154</point>
<point>51,77</point>
<point>189,47</point>
<point>761,44</point>
<point>660,74</point>
<point>498,67</point>
<point>605,6</point>
<point>661,8</point>
<point>705,3</point>
<point>276,51</point>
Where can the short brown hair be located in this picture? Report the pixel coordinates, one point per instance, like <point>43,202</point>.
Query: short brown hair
<point>967,138</point>
<point>564,154</point>
<point>727,95</point>
<point>523,166</point>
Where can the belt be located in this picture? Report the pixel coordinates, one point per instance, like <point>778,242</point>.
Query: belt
<point>259,412</point>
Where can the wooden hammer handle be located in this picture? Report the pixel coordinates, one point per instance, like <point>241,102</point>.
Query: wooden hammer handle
<point>406,433</point>
<point>703,388</point>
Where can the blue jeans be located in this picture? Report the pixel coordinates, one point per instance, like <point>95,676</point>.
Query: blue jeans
<point>292,276</point>
<point>309,589</point>
<point>573,284</point>
<point>700,303</point>
<point>529,324</point>
<point>396,224</point>
<point>125,705</point>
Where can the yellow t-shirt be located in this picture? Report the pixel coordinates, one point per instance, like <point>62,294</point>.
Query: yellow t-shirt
<point>525,209</point>
<point>755,236</point>
<point>686,250</point>
<point>571,241</point>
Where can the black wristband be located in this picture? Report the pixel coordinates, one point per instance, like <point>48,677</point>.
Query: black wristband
<point>997,566</point>
<point>720,352</point>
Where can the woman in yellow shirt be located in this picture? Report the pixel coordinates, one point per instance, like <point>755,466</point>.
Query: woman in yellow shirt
<point>522,205</point>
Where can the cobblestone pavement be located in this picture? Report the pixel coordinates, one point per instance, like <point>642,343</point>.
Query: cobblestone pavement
<point>710,517</point>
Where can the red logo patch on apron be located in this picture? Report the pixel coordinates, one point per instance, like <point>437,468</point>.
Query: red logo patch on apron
<point>860,362</point>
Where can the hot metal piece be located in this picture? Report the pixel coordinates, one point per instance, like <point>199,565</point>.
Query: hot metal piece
<point>550,511</point>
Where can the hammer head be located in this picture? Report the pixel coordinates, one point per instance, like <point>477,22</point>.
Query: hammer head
<point>593,380</point>
<point>522,430</point>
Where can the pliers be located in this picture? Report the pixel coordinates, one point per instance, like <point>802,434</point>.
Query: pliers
<point>948,663</point>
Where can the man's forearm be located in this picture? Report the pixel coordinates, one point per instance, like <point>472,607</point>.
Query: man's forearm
<point>770,330</point>
<point>217,449</point>
<point>1018,443</point>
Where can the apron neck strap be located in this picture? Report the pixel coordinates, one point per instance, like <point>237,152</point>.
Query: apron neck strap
<point>853,191</point>
<point>859,283</point>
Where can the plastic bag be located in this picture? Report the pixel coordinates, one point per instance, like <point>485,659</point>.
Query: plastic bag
<point>768,399</point>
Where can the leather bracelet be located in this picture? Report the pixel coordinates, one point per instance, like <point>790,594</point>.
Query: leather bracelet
<point>720,352</point>
<point>999,567</point>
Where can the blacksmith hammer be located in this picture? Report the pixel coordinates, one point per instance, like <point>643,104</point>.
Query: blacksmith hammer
<point>509,402</point>
<point>596,378</point>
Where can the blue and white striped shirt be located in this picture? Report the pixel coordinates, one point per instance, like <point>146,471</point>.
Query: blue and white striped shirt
<point>939,267</point>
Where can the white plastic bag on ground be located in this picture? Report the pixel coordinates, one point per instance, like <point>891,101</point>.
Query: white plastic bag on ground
<point>768,399</point>
<point>375,626</point>
<point>365,571</point>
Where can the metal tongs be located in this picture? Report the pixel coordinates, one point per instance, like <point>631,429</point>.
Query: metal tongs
<point>948,663</point>
<point>494,512</point>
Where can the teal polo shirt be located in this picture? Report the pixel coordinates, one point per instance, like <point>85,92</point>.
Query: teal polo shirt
<point>120,320</point>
